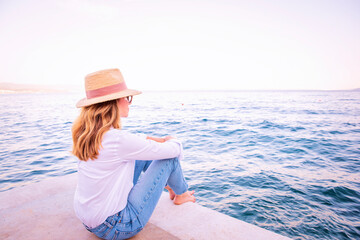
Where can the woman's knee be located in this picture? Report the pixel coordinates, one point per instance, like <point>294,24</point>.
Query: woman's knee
<point>170,163</point>
<point>174,160</point>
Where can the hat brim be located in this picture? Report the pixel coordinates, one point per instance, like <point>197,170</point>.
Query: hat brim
<point>125,93</point>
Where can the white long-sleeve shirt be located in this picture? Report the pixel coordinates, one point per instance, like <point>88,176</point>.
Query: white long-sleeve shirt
<point>104,183</point>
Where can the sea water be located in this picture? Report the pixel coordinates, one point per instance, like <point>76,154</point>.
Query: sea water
<point>286,161</point>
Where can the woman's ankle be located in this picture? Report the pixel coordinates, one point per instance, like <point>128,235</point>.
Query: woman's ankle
<point>171,192</point>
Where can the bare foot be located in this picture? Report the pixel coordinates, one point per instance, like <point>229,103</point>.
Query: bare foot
<point>185,197</point>
<point>171,192</point>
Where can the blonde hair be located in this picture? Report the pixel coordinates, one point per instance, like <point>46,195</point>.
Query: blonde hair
<point>90,126</point>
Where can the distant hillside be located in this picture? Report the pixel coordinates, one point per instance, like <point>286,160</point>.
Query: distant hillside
<point>6,87</point>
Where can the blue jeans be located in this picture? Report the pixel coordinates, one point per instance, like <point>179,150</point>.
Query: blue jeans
<point>143,198</point>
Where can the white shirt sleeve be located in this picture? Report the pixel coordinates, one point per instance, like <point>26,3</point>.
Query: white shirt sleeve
<point>135,147</point>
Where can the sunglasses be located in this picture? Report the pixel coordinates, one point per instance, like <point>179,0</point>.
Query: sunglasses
<point>129,99</point>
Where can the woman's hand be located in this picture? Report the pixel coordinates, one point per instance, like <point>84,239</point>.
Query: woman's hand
<point>160,140</point>
<point>167,138</point>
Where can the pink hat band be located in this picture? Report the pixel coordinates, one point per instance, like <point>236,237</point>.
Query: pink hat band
<point>103,86</point>
<point>106,90</point>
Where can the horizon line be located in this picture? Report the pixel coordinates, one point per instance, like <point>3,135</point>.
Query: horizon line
<point>72,87</point>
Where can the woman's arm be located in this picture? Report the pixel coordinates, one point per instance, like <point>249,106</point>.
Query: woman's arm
<point>134,147</point>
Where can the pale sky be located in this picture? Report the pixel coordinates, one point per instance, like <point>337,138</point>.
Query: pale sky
<point>184,45</point>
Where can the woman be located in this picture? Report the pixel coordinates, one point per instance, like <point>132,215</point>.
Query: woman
<point>110,199</point>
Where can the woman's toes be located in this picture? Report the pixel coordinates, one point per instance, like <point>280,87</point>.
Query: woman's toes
<point>183,198</point>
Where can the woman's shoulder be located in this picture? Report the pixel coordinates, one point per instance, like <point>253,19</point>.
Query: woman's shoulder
<point>123,134</point>
<point>123,140</point>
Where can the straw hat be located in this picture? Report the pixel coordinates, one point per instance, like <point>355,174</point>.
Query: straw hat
<point>105,85</point>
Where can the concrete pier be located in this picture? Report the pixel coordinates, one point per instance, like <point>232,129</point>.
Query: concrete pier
<point>44,210</point>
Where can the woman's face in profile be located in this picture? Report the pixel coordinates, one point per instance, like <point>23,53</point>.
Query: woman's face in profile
<point>123,107</point>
